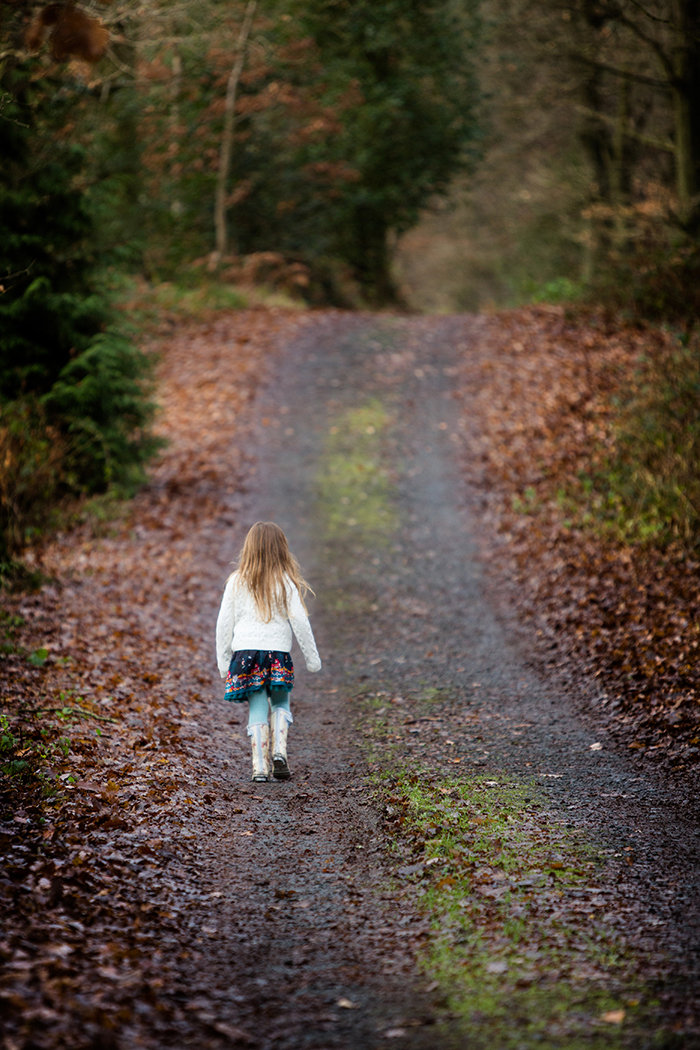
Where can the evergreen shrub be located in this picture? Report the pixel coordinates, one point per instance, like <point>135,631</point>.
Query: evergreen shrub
<point>99,399</point>
<point>74,392</point>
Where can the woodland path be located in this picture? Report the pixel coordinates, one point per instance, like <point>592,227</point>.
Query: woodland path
<point>403,608</point>
<point>297,930</point>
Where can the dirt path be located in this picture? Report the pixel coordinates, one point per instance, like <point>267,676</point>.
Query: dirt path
<point>402,610</point>
<point>278,917</point>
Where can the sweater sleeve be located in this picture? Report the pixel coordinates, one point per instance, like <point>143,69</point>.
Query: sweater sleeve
<point>224,629</point>
<point>302,629</point>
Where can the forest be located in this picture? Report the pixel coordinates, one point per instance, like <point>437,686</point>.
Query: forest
<point>421,280</point>
<point>441,156</point>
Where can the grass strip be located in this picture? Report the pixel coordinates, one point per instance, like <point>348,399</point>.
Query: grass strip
<point>525,944</point>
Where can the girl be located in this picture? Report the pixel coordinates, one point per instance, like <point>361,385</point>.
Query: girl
<point>262,603</point>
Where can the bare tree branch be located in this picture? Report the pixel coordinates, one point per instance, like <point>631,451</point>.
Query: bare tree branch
<point>647,140</point>
<point>654,45</point>
<point>648,14</point>
<point>618,71</point>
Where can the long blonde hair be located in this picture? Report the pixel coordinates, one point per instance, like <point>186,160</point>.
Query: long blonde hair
<point>264,562</point>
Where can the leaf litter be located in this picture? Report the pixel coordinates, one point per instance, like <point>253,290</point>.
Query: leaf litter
<point>539,390</point>
<point>120,619</point>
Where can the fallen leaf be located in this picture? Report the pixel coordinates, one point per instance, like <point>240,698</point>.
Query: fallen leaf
<point>613,1017</point>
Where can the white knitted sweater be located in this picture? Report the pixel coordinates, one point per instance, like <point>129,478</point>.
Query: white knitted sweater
<point>240,626</point>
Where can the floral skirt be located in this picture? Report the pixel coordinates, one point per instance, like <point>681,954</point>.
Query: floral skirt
<point>254,669</point>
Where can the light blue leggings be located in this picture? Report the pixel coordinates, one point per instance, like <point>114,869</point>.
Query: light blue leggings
<point>259,704</point>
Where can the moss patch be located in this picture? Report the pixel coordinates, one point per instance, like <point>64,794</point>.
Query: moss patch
<point>354,484</point>
<point>522,945</point>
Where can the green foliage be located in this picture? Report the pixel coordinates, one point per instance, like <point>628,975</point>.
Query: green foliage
<point>74,399</point>
<point>8,740</point>
<point>99,398</point>
<point>350,117</point>
<point>114,190</point>
<point>649,490</point>
<point>398,80</point>
<point>48,308</point>
<point>190,297</point>
<point>39,657</point>
<point>9,624</point>
<point>558,290</point>
<point>28,750</point>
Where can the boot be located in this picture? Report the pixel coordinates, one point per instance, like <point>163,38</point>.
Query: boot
<point>280,726</point>
<point>260,743</point>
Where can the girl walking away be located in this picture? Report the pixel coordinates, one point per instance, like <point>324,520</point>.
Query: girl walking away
<point>263,603</point>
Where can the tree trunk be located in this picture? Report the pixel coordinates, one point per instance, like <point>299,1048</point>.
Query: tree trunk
<point>372,258</point>
<point>685,167</point>
<point>176,207</point>
<point>597,142</point>
<point>685,86</point>
<point>226,149</point>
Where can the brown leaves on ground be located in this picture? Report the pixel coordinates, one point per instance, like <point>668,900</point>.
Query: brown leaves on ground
<point>540,389</point>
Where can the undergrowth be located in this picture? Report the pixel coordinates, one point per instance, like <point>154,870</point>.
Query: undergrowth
<point>649,487</point>
<point>641,481</point>
<point>41,744</point>
<point>193,296</point>
<point>89,433</point>
<point>187,299</point>
<point>30,750</point>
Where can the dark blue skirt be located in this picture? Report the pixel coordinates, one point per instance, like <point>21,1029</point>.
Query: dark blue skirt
<point>254,669</point>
